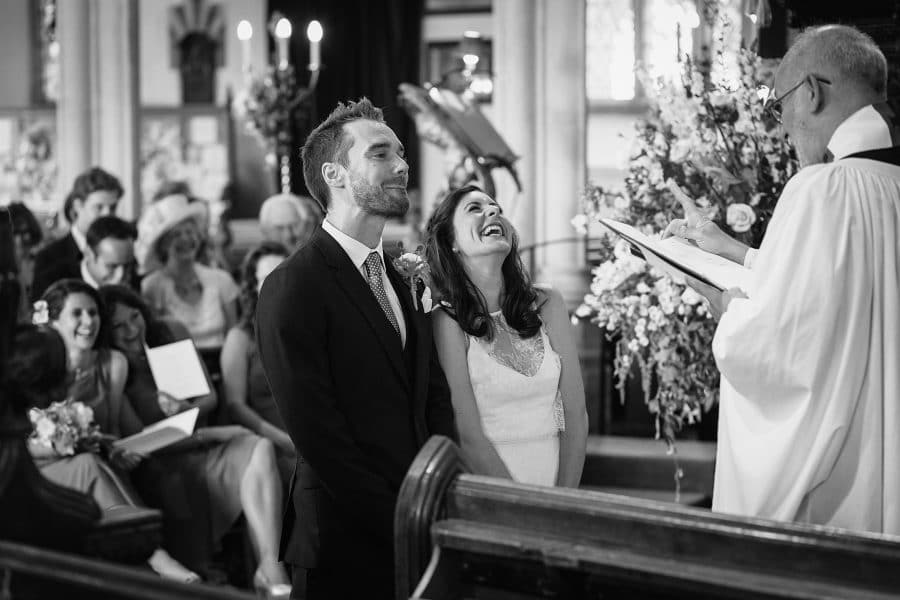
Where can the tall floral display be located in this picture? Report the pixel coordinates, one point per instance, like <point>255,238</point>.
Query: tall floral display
<point>715,141</point>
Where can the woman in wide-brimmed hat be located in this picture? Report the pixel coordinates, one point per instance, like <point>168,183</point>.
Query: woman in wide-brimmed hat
<point>170,232</point>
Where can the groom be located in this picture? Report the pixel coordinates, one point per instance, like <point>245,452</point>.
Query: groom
<point>350,363</point>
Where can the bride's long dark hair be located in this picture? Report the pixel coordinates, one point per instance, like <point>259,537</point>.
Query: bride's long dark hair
<point>467,304</point>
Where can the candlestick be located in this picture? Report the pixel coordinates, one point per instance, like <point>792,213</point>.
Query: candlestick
<point>314,33</point>
<point>283,36</point>
<point>244,33</point>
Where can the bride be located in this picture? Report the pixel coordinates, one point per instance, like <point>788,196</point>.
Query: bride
<point>506,348</point>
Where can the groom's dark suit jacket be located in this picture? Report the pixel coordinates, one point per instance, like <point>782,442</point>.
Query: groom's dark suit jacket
<point>357,405</point>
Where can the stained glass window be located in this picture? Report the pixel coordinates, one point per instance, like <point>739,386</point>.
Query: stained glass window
<point>623,34</point>
<point>610,49</point>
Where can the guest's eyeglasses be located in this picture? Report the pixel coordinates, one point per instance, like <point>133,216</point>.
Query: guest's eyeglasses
<point>773,103</point>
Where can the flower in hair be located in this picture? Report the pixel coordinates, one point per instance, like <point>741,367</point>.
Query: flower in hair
<point>41,313</point>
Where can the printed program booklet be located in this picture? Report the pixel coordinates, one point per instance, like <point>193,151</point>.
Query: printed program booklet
<point>177,370</point>
<point>161,434</point>
<point>678,258</point>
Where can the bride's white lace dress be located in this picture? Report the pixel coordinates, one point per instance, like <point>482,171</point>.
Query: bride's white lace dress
<point>516,386</point>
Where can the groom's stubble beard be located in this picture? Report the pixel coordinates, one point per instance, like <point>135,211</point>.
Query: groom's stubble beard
<point>375,200</point>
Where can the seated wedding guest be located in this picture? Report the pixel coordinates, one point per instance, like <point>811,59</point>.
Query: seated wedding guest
<point>226,471</point>
<point>506,348</point>
<point>203,298</point>
<point>244,381</point>
<point>289,220</point>
<point>96,378</point>
<point>34,374</point>
<point>807,419</point>
<point>94,194</point>
<point>109,254</point>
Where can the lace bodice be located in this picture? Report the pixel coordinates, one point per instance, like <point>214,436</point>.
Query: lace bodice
<point>516,384</point>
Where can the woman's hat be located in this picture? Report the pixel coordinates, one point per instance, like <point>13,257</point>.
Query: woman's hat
<point>159,218</point>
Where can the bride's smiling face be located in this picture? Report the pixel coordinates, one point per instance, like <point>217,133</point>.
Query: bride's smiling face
<point>479,227</point>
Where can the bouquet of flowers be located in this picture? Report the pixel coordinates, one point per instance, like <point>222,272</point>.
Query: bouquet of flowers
<point>65,427</point>
<point>716,142</point>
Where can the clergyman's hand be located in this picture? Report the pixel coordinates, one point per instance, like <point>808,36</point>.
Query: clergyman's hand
<point>698,229</point>
<point>717,301</point>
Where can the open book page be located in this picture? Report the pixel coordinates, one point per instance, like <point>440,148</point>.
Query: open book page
<point>678,258</point>
<point>177,370</point>
<point>162,433</point>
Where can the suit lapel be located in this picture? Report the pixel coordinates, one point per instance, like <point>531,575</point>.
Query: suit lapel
<point>359,294</point>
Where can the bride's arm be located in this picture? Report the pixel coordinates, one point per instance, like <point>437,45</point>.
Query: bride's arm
<point>477,450</point>
<point>572,441</point>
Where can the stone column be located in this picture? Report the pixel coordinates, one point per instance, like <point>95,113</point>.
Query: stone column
<point>540,94</point>
<point>116,86</point>
<point>514,106</point>
<point>73,109</point>
<point>98,110</point>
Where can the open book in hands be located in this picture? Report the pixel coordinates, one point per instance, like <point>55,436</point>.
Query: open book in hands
<point>161,434</point>
<point>679,259</point>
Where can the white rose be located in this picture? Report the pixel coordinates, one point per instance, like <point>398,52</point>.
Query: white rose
<point>740,217</point>
<point>579,223</point>
<point>410,257</point>
<point>44,427</point>
<point>84,415</point>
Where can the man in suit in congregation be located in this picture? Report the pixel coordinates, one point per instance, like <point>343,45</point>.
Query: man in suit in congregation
<point>94,194</point>
<point>351,364</point>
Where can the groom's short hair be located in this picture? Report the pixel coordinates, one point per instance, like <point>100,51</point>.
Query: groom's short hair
<point>330,143</point>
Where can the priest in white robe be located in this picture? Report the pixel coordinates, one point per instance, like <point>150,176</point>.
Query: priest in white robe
<point>809,416</point>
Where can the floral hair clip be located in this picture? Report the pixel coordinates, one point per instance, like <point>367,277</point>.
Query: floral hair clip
<point>413,267</point>
<point>40,313</point>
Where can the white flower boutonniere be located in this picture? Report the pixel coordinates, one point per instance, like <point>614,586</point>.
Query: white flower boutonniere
<point>413,267</point>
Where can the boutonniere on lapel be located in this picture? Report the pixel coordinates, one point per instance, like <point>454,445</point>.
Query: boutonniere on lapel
<point>413,267</point>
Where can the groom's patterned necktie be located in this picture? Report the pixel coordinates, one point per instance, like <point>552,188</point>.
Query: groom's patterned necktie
<point>373,270</point>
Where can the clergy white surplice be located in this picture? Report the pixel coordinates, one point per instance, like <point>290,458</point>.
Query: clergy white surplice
<point>809,418</point>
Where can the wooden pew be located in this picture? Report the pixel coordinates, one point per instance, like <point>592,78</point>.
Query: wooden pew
<point>463,536</point>
<point>66,576</point>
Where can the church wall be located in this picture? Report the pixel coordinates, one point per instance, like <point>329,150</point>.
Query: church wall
<point>15,50</point>
<point>160,82</point>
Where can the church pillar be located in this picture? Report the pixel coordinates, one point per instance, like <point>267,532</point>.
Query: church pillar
<point>73,108</point>
<point>513,108</point>
<point>540,94</point>
<point>99,106</point>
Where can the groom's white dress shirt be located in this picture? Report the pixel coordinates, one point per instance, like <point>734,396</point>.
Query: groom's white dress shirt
<point>809,421</point>
<point>358,253</point>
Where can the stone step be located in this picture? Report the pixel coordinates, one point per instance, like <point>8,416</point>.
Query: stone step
<point>641,467</point>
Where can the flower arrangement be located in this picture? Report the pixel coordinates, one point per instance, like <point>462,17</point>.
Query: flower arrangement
<point>267,105</point>
<point>65,427</point>
<point>716,142</point>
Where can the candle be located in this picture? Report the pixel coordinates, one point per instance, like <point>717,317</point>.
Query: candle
<point>244,33</point>
<point>314,33</point>
<point>283,36</point>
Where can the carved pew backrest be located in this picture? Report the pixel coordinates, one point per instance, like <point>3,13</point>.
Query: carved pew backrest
<point>533,541</point>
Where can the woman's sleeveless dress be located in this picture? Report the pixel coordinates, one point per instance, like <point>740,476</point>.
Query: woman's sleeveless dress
<point>88,472</point>
<point>517,394</point>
